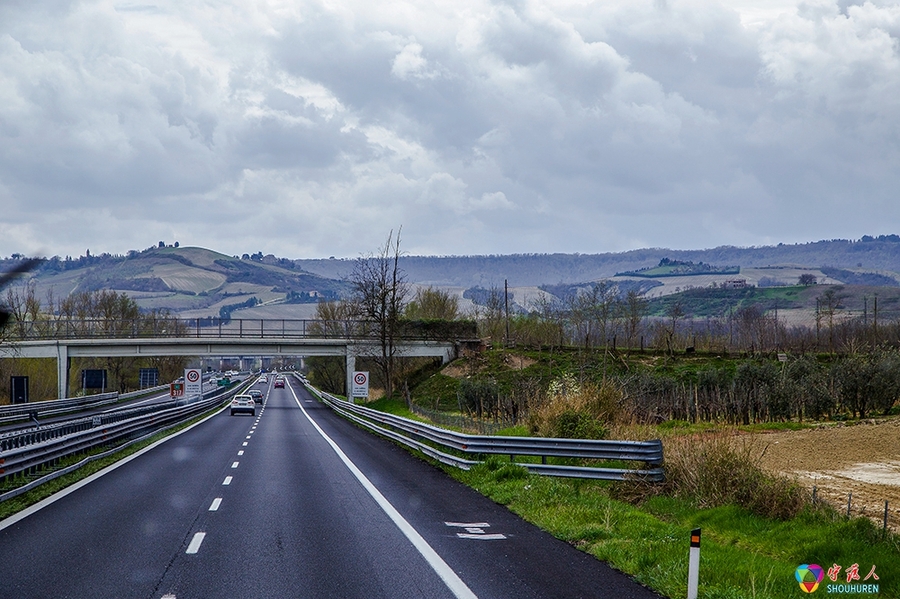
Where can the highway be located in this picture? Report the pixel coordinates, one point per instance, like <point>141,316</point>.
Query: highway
<point>295,502</point>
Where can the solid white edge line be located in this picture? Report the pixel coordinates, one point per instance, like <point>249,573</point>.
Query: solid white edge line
<point>437,563</point>
<point>195,543</point>
<point>85,481</point>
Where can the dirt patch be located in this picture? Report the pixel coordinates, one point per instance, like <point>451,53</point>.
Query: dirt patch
<point>462,368</point>
<point>863,459</point>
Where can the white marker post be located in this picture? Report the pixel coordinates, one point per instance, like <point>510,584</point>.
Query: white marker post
<point>694,564</point>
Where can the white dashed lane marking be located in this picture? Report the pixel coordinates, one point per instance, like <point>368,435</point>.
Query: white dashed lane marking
<point>227,480</point>
<point>195,543</point>
<point>244,444</point>
<point>215,504</point>
<point>241,452</point>
<point>234,464</point>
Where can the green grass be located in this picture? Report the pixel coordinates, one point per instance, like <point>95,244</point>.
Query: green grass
<point>742,555</point>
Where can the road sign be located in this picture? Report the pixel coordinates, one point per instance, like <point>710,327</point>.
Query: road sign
<point>176,389</point>
<point>18,389</point>
<point>93,379</point>
<point>149,377</point>
<point>193,381</point>
<point>360,384</point>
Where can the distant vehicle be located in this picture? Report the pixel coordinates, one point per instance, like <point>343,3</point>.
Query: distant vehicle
<point>263,380</point>
<point>256,394</point>
<point>279,383</point>
<point>243,404</point>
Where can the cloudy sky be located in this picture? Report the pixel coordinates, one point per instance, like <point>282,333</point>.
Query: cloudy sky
<point>312,128</point>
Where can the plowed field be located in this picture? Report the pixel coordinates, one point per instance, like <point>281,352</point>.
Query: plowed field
<point>863,459</point>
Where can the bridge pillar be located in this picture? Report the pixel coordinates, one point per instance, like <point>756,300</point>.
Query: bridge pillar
<point>62,370</point>
<point>351,366</point>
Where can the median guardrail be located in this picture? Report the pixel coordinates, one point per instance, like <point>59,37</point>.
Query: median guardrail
<point>55,406</point>
<point>423,437</point>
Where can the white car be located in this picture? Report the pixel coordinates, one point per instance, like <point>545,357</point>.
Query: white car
<point>243,403</point>
<point>263,380</point>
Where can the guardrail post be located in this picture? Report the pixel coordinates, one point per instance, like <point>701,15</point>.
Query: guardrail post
<point>694,564</point>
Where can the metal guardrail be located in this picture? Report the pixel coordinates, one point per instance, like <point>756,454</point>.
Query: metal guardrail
<point>55,406</point>
<point>260,328</point>
<point>418,435</point>
<point>21,451</point>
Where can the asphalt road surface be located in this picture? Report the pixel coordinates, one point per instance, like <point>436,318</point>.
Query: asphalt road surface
<point>295,502</point>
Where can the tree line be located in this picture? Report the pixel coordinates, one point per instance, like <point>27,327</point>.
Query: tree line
<point>86,313</point>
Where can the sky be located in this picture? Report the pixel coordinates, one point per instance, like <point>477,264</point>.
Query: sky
<point>312,129</point>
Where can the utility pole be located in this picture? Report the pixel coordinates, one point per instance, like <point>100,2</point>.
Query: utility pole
<point>875,317</point>
<point>817,322</point>
<point>506,303</point>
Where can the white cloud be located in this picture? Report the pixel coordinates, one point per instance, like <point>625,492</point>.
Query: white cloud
<point>479,125</point>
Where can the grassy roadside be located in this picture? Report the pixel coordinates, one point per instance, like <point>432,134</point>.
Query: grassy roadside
<point>744,555</point>
<point>20,502</point>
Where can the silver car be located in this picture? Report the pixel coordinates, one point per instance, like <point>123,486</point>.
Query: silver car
<point>243,403</point>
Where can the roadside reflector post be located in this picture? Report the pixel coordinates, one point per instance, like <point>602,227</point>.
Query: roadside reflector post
<point>694,564</point>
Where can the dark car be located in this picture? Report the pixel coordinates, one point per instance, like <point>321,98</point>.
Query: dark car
<point>256,394</point>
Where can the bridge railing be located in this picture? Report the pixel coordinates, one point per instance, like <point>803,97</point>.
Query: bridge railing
<point>254,328</point>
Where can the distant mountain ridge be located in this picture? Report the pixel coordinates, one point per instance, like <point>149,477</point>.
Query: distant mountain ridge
<point>874,255</point>
<point>197,282</point>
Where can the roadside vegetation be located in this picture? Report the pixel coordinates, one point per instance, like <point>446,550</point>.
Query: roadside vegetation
<point>758,526</point>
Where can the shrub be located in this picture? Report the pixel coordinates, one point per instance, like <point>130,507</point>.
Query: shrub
<point>576,411</point>
<point>722,469</point>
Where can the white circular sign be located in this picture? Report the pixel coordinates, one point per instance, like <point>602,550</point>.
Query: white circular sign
<point>360,378</point>
<point>193,376</point>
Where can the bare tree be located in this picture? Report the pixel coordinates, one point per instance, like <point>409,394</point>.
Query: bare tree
<point>635,310</point>
<point>380,290</point>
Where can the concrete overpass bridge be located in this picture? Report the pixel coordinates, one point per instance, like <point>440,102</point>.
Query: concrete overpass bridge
<point>256,338</point>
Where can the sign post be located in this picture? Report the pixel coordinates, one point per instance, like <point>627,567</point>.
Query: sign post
<point>694,564</point>
<point>193,382</point>
<point>360,385</point>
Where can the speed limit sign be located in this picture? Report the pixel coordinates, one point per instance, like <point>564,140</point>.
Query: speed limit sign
<point>360,384</point>
<point>193,384</point>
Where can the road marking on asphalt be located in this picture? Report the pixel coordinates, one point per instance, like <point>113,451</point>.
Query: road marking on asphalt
<point>215,504</point>
<point>481,537</point>
<point>227,480</point>
<point>241,452</point>
<point>234,464</point>
<point>247,437</point>
<point>475,530</point>
<point>169,596</point>
<point>194,545</point>
<point>244,444</point>
<point>437,563</point>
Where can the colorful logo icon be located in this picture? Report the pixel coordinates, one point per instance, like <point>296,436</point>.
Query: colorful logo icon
<point>809,576</point>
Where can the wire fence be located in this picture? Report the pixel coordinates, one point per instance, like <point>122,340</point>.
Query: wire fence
<point>884,513</point>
